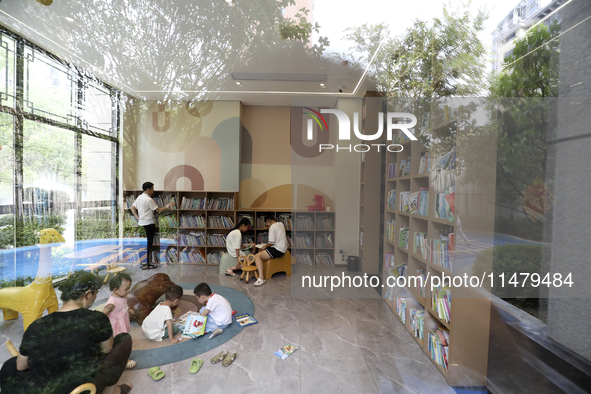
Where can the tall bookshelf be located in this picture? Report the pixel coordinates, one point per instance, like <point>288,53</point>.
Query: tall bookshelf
<point>194,231</point>
<point>370,182</point>
<point>431,246</point>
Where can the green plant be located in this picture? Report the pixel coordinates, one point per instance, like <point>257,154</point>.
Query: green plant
<point>96,229</point>
<point>18,282</point>
<point>17,234</point>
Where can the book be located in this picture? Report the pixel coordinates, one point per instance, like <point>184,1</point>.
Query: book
<point>413,202</point>
<point>181,322</point>
<point>285,351</point>
<point>195,326</point>
<point>245,320</point>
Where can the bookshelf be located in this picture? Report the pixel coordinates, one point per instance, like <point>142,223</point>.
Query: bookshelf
<point>422,241</point>
<point>370,182</point>
<point>195,231</point>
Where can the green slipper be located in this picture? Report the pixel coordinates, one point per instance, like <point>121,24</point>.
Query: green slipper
<point>219,358</point>
<point>196,365</point>
<point>156,373</point>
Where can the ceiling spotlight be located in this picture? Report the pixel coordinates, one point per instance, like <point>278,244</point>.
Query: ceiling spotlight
<point>322,85</point>
<point>155,83</point>
<point>231,2</point>
<point>238,83</point>
<point>69,19</point>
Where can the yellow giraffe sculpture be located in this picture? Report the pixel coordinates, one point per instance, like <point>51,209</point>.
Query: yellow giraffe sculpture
<point>33,299</point>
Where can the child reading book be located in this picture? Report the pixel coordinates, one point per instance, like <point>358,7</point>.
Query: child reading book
<point>158,325</point>
<point>216,308</point>
<point>116,308</point>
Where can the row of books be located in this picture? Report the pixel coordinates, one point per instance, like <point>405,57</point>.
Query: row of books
<point>391,200</point>
<point>446,161</point>
<point>415,202</point>
<point>425,163</point>
<point>391,170</point>
<point>325,222</point>
<point>324,241</point>
<point>391,230</point>
<point>164,200</point>
<point>167,221</point>
<point>285,218</point>
<point>303,258</point>
<point>220,222</point>
<point>445,204</point>
<point>193,221</point>
<point>324,259</point>
<point>187,256</point>
<point>405,166</point>
<point>439,346</point>
<point>305,222</point>
<point>216,239</point>
<point>417,323</point>
<point>222,204</point>
<point>302,240</point>
<point>130,220</point>
<point>246,216</point>
<point>441,251</point>
<point>247,239</point>
<point>129,200</point>
<point>401,308</point>
<point>193,238</point>
<point>441,302</point>
<point>193,203</point>
<point>422,283</point>
<point>421,245</point>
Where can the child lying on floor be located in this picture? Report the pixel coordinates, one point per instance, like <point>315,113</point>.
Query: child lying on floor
<point>217,309</point>
<point>158,325</point>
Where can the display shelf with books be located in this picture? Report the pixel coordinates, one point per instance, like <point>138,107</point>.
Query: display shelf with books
<point>451,325</point>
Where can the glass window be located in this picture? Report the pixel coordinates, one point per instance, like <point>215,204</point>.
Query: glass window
<point>7,70</point>
<point>49,169</point>
<point>98,114</point>
<point>6,182</point>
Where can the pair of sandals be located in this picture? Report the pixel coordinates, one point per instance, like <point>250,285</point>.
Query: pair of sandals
<point>157,374</point>
<point>225,357</point>
<point>148,266</point>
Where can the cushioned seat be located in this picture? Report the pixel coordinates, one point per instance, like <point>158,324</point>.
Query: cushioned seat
<point>227,261</point>
<point>282,264</point>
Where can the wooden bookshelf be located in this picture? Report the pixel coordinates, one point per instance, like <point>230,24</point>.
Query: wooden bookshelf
<point>469,322</point>
<point>174,240</point>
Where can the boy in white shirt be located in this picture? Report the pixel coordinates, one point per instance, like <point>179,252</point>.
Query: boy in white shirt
<point>158,325</point>
<point>217,309</point>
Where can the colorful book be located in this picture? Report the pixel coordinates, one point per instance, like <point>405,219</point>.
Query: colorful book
<point>245,320</point>
<point>285,351</point>
<point>195,326</point>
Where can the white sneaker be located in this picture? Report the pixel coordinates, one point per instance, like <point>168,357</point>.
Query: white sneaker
<point>259,282</point>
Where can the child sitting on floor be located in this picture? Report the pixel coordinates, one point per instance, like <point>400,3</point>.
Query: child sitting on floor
<point>158,325</point>
<point>116,308</point>
<point>217,309</point>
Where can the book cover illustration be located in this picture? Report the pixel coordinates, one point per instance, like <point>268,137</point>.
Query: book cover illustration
<point>245,320</point>
<point>181,321</point>
<point>195,326</point>
<point>285,351</point>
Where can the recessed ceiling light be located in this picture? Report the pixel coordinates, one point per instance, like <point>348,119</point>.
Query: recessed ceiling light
<point>238,83</point>
<point>69,19</point>
<point>155,83</point>
<point>229,1</point>
<point>323,85</point>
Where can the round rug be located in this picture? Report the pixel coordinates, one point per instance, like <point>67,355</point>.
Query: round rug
<point>149,354</point>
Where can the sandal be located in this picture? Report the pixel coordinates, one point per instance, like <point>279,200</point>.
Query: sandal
<point>229,272</point>
<point>156,373</point>
<point>130,364</point>
<point>148,267</point>
<point>219,358</point>
<point>229,359</point>
<point>125,388</point>
<point>196,365</point>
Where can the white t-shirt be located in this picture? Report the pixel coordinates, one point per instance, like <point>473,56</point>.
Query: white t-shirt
<point>277,237</point>
<point>233,242</point>
<point>145,208</point>
<point>220,310</point>
<point>154,325</point>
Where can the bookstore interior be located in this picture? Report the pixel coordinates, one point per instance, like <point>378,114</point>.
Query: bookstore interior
<point>398,194</point>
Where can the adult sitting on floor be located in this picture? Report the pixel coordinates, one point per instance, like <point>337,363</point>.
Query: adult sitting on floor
<point>234,244</point>
<point>274,248</point>
<point>69,347</point>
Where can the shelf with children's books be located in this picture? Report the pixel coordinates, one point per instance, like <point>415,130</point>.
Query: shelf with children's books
<point>427,192</point>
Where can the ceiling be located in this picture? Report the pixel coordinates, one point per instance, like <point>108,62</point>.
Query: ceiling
<point>186,49</point>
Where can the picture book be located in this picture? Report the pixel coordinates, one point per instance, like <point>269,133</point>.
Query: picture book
<point>181,322</point>
<point>413,201</point>
<point>285,351</point>
<point>245,320</point>
<point>195,326</point>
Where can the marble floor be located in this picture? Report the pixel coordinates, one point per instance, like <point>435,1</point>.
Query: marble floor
<point>350,344</point>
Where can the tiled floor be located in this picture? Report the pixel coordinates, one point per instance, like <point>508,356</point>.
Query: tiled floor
<point>346,345</point>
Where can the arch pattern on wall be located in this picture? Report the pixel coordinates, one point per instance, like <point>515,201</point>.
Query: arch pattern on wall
<point>181,171</point>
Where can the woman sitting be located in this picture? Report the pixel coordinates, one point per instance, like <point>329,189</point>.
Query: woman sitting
<point>69,347</point>
<point>234,244</point>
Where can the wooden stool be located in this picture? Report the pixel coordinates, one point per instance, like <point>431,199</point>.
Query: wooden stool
<point>282,264</point>
<point>114,271</point>
<point>247,267</point>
